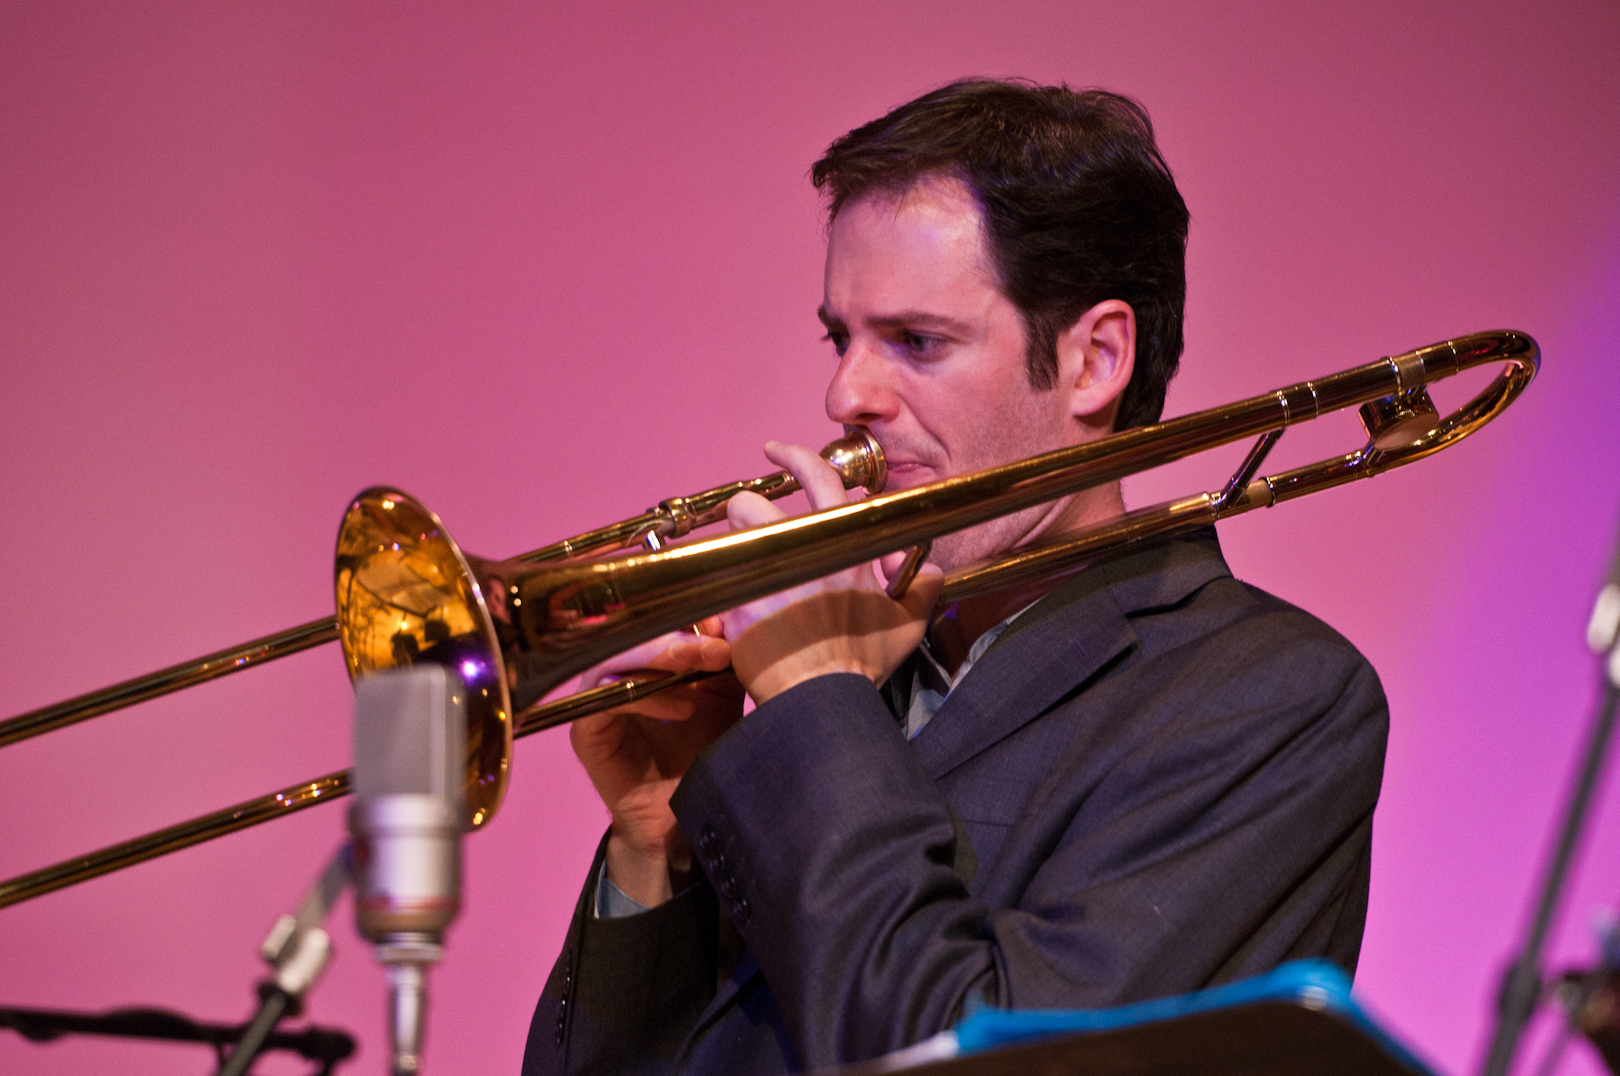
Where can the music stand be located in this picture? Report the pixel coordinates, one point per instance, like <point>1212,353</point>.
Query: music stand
<point>1296,1021</point>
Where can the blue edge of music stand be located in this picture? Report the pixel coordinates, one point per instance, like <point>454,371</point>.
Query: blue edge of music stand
<point>1317,983</point>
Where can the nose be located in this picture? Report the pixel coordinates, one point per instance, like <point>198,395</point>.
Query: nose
<point>862,390</point>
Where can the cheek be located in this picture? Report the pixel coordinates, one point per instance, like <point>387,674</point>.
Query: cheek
<point>984,414</point>
<point>930,403</point>
<point>1012,423</point>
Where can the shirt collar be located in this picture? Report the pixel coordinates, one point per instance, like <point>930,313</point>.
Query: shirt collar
<point>930,684</point>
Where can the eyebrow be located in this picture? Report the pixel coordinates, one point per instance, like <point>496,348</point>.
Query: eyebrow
<point>921,319</point>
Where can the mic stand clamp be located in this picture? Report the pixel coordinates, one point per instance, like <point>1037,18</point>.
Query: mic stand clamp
<point>297,957</point>
<point>297,949</point>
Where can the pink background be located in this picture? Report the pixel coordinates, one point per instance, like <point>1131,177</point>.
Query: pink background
<point>543,267</point>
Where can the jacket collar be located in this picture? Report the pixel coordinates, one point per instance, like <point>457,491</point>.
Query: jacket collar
<point>1070,635</point>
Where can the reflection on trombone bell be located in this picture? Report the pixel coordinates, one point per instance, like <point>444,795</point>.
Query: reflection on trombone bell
<point>517,629</point>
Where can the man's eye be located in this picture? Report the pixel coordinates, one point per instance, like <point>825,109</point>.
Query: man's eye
<point>918,344</point>
<point>839,341</point>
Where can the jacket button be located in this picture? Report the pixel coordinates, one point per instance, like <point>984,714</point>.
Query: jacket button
<point>740,909</point>
<point>706,838</point>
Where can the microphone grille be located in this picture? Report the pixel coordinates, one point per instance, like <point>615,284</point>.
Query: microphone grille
<point>409,733</point>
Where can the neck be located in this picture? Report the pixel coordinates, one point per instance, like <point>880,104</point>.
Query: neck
<point>957,627</point>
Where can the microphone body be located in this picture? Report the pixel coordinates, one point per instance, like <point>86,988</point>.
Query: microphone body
<point>406,824</point>
<point>408,862</point>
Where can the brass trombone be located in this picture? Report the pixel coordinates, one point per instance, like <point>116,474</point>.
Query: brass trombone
<point>514,630</point>
<point>855,456</point>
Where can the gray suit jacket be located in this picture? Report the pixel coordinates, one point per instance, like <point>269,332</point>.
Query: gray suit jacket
<point>1157,779</point>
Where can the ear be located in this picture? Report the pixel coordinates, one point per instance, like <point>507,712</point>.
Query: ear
<point>1096,356</point>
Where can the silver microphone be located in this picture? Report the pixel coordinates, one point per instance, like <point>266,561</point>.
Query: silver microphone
<point>406,824</point>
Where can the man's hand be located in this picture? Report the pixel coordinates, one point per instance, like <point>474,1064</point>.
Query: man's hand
<point>843,623</point>
<point>635,756</point>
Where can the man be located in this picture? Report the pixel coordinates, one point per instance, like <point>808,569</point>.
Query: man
<point>1135,782</point>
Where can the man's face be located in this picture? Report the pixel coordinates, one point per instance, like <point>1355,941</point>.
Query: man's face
<point>931,354</point>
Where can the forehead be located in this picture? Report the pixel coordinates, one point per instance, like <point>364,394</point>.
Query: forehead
<point>888,248</point>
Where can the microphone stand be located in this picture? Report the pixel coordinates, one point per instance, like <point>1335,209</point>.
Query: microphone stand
<point>324,1046</point>
<point>1521,983</point>
<point>297,949</point>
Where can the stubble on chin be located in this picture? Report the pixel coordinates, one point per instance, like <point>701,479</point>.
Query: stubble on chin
<point>988,540</point>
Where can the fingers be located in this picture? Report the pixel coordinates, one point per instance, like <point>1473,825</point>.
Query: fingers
<point>857,630</point>
<point>596,736</point>
<point>675,652</point>
<point>815,476</point>
<point>751,510</point>
<point>820,482</point>
<point>713,652</point>
<point>679,705</point>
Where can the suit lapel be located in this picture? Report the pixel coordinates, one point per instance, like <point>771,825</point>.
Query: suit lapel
<point>1071,634</point>
<point>1020,677</point>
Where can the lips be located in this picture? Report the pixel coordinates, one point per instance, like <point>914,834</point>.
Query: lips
<point>905,474</point>
<point>908,464</point>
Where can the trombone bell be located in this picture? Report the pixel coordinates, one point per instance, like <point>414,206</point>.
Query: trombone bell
<point>405,595</point>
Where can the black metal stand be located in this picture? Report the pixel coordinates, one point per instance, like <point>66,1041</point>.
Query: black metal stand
<point>297,950</point>
<point>1521,984</point>
<point>323,1046</point>
<point>274,1003</point>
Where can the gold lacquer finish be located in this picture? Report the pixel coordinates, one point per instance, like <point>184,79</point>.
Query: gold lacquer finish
<point>174,678</point>
<point>405,596</point>
<point>856,457</point>
<point>558,619</point>
<point>203,828</point>
<point>441,619</point>
<point>406,593</point>
<point>1400,419</point>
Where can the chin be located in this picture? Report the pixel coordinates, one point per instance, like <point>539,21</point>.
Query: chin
<point>955,551</point>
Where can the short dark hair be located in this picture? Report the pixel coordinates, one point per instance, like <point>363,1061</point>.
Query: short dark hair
<point>1078,204</point>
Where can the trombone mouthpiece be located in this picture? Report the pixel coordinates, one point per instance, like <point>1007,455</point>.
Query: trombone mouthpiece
<point>858,459</point>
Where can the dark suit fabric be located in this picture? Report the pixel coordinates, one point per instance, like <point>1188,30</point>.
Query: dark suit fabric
<point>1157,779</point>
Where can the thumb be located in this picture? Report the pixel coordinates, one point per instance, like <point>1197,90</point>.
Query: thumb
<point>923,593</point>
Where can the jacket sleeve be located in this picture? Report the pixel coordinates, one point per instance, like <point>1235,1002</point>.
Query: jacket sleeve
<point>625,992</point>
<point>1232,834</point>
